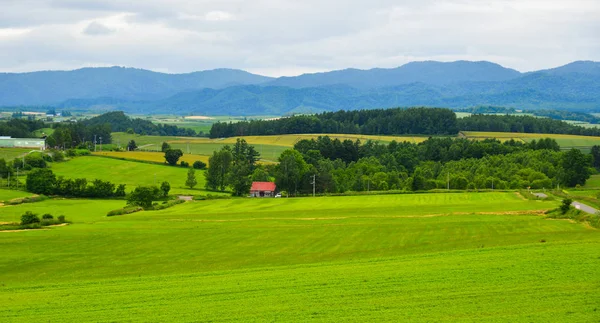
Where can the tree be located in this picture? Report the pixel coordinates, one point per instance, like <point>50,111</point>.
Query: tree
<point>575,168</point>
<point>290,170</point>
<point>165,146</point>
<point>172,156</point>
<point>191,178</point>
<point>239,179</point>
<point>41,181</point>
<point>596,156</point>
<point>29,218</point>
<point>219,166</point>
<point>4,169</point>
<point>566,205</point>
<point>143,196</point>
<point>165,187</point>
<point>131,146</point>
<point>120,191</point>
<point>199,165</point>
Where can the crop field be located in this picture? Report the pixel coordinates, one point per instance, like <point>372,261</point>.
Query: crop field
<point>6,195</point>
<point>157,157</point>
<point>412,257</point>
<point>270,147</point>
<point>129,172</point>
<point>565,141</point>
<point>9,154</point>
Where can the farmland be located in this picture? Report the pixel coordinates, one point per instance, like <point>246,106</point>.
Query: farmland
<point>270,147</point>
<point>156,157</point>
<point>12,153</point>
<point>445,256</point>
<point>131,173</point>
<point>565,141</point>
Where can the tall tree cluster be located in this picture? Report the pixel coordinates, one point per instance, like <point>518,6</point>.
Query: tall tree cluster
<point>431,121</point>
<point>232,167</point>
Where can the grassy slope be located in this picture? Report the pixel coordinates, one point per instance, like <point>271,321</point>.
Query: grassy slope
<point>157,157</point>
<point>380,258</point>
<point>6,195</point>
<point>127,172</point>
<point>9,154</point>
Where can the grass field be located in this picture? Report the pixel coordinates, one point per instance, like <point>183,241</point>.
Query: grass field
<point>593,182</point>
<point>9,154</point>
<point>129,172</point>
<point>413,257</point>
<point>565,141</point>
<point>6,195</point>
<point>157,157</point>
<point>270,147</point>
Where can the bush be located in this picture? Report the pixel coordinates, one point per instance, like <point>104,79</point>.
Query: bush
<point>126,210</point>
<point>566,205</point>
<point>61,219</point>
<point>164,205</point>
<point>184,164</point>
<point>47,216</point>
<point>199,165</point>
<point>29,218</point>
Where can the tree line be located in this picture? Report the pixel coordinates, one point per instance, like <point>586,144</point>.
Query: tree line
<point>522,124</point>
<point>436,163</point>
<point>431,121</point>
<point>43,181</point>
<point>119,122</point>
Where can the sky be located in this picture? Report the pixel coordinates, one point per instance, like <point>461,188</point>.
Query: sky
<point>291,37</point>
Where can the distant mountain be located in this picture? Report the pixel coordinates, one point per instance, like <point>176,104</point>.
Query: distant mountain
<point>533,91</point>
<point>436,73</point>
<point>117,83</point>
<point>575,86</point>
<point>581,67</point>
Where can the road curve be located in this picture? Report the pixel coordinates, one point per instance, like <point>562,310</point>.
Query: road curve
<point>584,208</point>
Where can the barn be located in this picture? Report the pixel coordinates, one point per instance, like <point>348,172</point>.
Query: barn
<point>8,142</point>
<point>263,189</point>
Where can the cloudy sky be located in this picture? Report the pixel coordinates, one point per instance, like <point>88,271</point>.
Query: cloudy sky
<point>290,37</point>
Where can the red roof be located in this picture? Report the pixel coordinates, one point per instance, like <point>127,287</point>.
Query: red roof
<point>263,186</point>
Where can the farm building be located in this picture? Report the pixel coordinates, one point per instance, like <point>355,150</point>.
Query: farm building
<point>8,142</point>
<point>262,189</point>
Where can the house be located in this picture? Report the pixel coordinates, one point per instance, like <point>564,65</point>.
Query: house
<point>262,189</point>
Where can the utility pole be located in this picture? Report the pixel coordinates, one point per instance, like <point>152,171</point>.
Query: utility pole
<point>314,182</point>
<point>448,181</point>
<point>94,143</point>
<point>100,143</point>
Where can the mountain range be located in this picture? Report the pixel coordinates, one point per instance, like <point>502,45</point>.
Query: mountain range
<point>575,86</point>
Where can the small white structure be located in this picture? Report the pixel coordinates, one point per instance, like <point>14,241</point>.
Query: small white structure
<point>8,142</point>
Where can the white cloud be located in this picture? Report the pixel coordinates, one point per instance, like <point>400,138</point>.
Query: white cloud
<point>285,37</point>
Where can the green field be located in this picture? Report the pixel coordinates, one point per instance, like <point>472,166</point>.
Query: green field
<point>129,172</point>
<point>565,141</point>
<point>411,257</point>
<point>593,182</point>
<point>9,154</point>
<point>6,195</point>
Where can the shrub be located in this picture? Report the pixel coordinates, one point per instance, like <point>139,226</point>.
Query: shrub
<point>184,164</point>
<point>566,205</point>
<point>126,210</point>
<point>61,219</point>
<point>47,216</point>
<point>199,165</point>
<point>29,218</point>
